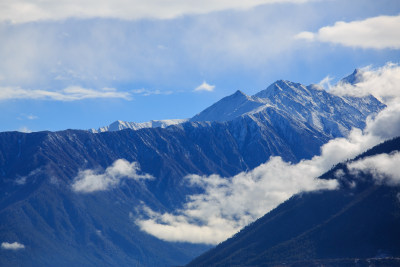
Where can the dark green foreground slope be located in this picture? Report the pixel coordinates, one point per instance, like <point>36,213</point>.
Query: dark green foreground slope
<point>352,226</point>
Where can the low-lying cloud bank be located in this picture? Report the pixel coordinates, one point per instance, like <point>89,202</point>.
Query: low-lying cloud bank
<point>89,181</point>
<point>228,204</point>
<point>12,246</point>
<point>376,33</point>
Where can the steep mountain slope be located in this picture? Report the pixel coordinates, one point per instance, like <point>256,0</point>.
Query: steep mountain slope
<point>343,227</point>
<point>229,108</point>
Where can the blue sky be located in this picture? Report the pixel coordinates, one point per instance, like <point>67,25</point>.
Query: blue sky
<point>84,64</point>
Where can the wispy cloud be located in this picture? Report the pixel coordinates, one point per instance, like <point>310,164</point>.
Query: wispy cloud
<point>326,82</point>
<point>27,116</point>
<point>22,180</point>
<point>228,204</point>
<point>12,246</point>
<point>72,93</point>
<point>88,181</point>
<point>205,87</point>
<point>377,32</point>
<point>19,11</point>
<point>147,92</point>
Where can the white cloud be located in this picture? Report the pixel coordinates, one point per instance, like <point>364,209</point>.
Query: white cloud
<point>326,82</point>
<point>228,204</point>
<point>110,52</point>
<point>146,92</point>
<point>377,32</point>
<point>383,83</point>
<point>71,93</point>
<point>24,129</point>
<point>19,11</point>
<point>89,181</point>
<point>12,246</point>
<point>384,168</point>
<point>386,124</point>
<point>309,36</point>
<point>204,87</point>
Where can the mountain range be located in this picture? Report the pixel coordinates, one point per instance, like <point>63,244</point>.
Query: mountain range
<point>59,226</point>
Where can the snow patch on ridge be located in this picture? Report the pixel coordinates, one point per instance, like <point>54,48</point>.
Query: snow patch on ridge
<point>121,125</point>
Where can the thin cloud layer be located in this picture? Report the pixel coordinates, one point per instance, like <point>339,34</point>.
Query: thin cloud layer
<point>27,116</point>
<point>105,52</point>
<point>89,181</point>
<point>72,93</point>
<point>205,87</point>
<point>377,33</point>
<point>384,168</point>
<point>20,11</point>
<point>12,246</point>
<point>146,92</point>
<point>228,204</point>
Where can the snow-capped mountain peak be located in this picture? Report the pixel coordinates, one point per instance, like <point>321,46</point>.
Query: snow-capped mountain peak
<point>309,107</point>
<point>280,91</point>
<point>353,78</point>
<point>228,108</point>
<point>121,125</point>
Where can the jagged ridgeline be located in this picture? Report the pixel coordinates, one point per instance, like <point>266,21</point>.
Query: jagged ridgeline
<point>61,227</point>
